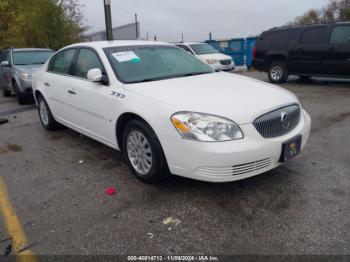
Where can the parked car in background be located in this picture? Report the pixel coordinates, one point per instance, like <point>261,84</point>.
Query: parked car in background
<point>305,51</point>
<point>170,113</point>
<point>16,69</point>
<point>209,55</point>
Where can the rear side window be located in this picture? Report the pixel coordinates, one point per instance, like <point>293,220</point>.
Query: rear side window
<point>281,36</point>
<point>87,59</point>
<point>61,62</point>
<point>340,35</point>
<point>314,35</point>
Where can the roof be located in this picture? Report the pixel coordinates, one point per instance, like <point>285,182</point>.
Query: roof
<point>32,49</point>
<point>303,26</point>
<point>116,43</point>
<point>26,49</point>
<point>188,43</point>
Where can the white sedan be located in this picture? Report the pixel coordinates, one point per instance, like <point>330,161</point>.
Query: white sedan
<point>168,112</point>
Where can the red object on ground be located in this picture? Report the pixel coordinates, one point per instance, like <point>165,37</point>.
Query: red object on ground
<point>111,191</point>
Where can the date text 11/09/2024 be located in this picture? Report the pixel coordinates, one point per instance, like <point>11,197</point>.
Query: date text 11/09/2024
<point>173,258</point>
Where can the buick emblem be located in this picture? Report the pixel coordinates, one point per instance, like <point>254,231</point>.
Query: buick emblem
<point>285,120</point>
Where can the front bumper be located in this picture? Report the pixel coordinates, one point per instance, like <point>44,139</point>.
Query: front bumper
<point>221,67</point>
<point>233,160</point>
<point>25,86</point>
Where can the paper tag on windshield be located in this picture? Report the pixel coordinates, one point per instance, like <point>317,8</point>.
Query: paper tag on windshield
<point>128,56</point>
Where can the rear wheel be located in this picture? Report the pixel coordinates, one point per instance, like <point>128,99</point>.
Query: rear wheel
<point>144,153</point>
<point>278,72</point>
<point>46,118</point>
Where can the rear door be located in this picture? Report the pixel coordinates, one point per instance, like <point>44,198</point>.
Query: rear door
<point>57,81</point>
<point>309,52</point>
<point>337,60</point>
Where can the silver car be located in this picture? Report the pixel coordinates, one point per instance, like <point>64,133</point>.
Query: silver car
<point>16,69</point>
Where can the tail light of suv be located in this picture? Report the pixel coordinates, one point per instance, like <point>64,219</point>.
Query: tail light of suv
<point>254,53</point>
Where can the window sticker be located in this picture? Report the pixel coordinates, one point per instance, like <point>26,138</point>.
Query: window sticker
<point>127,56</point>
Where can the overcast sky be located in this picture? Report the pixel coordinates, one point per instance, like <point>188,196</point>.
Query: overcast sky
<point>196,18</point>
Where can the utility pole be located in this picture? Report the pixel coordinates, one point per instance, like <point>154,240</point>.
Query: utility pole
<point>137,27</point>
<point>108,17</point>
<point>155,38</point>
<point>147,37</point>
<point>210,36</point>
<point>182,37</point>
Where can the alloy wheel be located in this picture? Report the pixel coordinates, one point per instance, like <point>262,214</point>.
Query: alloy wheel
<point>139,152</point>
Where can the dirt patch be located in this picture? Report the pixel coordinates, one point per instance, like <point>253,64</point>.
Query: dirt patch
<point>3,151</point>
<point>14,148</point>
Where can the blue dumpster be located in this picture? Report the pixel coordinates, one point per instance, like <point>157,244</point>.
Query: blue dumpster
<point>232,47</point>
<point>250,44</point>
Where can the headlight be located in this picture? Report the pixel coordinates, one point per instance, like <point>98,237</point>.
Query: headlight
<point>212,61</point>
<point>25,76</point>
<point>207,128</point>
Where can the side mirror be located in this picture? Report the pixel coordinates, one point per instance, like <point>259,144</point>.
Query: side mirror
<point>5,64</point>
<point>95,75</point>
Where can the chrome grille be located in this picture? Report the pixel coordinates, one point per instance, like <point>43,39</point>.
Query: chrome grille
<point>279,122</point>
<point>226,62</point>
<point>222,172</point>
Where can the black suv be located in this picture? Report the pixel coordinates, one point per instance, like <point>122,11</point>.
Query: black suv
<point>305,51</point>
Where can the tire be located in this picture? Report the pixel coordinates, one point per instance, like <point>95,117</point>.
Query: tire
<point>5,92</point>
<point>144,153</point>
<point>21,98</point>
<point>278,72</point>
<point>305,78</point>
<point>46,118</point>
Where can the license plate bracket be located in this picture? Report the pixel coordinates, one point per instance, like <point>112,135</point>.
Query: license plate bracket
<point>291,149</point>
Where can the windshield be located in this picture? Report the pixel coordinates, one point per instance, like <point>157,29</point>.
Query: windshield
<point>203,49</point>
<point>31,57</point>
<point>134,64</point>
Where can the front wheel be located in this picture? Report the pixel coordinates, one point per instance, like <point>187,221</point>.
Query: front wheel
<point>21,98</point>
<point>278,72</point>
<point>144,153</point>
<point>46,118</point>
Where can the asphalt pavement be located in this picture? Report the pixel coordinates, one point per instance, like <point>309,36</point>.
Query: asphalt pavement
<point>56,182</point>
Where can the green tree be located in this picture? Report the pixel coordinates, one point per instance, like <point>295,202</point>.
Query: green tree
<point>41,23</point>
<point>335,11</point>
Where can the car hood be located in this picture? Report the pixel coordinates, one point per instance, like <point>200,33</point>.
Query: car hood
<point>236,97</point>
<point>30,69</point>
<point>216,56</point>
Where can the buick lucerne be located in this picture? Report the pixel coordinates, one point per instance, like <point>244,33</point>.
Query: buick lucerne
<point>170,113</point>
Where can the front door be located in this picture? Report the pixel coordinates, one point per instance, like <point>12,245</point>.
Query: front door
<point>337,61</point>
<point>90,105</point>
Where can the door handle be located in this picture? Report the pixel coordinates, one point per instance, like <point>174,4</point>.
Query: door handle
<point>47,84</point>
<point>71,92</point>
